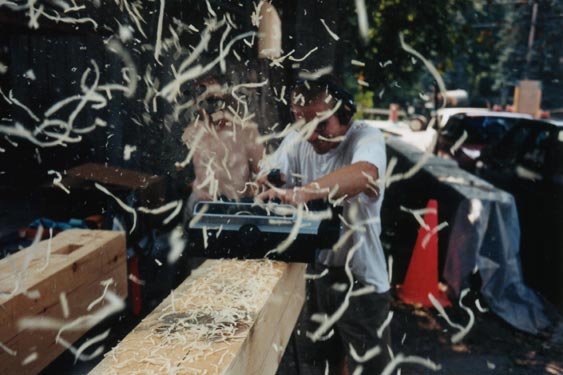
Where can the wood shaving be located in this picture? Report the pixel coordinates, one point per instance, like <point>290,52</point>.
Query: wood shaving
<point>160,210</point>
<point>433,232</point>
<point>311,76</point>
<point>106,284</point>
<point>363,25</point>
<point>57,181</point>
<point>369,354</point>
<point>158,45</point>
<point>462,330</point>
<point>23,106</point>
<point>304,57</point>
<point>173,214</point>
<point>431,68</point>
<point>462,333</point>
<point>317,276</point>
<point>91,341</point>
<point>384,324</point>
<point>64,305</point>
<point>418,214</point>
<point>363,83</point>
<point>390,178</point>
<point>115,304</point>
<point>400,358</point>
<point>48,254</point>
<point>136,280</point>
<point>330,32</point>
<point>120,203</point>
<point>11,352</point>
<point>358,63</point>
<point>30,358</point>
<point>177,242</point>
<point>459,142</point>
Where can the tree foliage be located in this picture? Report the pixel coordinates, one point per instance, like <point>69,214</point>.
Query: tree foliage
<point>542,61</point>
<point>432,28</point>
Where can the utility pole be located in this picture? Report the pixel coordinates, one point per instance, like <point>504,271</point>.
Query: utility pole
<point>531,38</point>
<point>436,117</point>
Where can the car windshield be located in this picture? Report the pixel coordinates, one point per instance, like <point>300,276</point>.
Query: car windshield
<point>486,129</point>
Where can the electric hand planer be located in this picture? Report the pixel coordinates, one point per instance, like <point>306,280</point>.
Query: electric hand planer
<point>248,231</point>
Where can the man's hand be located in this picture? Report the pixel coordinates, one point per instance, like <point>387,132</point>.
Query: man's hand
<point>285,196</point>
<point>348,181</point>
<point>203,195</point>
<point>263,182</point>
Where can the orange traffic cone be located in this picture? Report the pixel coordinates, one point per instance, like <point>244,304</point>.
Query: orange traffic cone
<point>422,274</point>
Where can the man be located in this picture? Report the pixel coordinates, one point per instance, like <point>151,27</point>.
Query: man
<point>340,159</point>
<point>226,154</point>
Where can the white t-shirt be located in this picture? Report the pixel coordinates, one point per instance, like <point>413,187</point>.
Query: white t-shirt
<point>301,164</point>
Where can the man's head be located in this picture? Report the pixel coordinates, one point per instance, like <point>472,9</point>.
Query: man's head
<point>212,99</point>
<point>314,99</point>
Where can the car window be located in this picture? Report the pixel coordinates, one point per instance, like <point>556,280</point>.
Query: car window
<point>535,151</point>
<point>487,130</point>
<point>558,154</point>
<point>511,145</point>
<point>454,127</point>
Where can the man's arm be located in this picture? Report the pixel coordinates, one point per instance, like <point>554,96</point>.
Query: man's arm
<point>349,181</point>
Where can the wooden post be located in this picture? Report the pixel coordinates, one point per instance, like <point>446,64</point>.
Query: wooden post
<point>79,261</point>
<point>527,98</point>
<point>270,33</point>
<point>229,317</point>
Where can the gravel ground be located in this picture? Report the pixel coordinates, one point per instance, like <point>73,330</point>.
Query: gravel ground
<point>491,346</point>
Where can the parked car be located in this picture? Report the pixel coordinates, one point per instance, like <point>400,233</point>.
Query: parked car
<point>465,131</point>
<point>528,162</point>
<point>531,152</point>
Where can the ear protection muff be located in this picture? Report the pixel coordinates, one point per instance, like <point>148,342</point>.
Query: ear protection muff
<point>347,107</point>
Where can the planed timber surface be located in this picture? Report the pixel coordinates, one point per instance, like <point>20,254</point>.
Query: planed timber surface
<point>31,287</point>
<point>228,317</point>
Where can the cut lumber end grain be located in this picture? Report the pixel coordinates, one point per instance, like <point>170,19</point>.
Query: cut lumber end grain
<point>55,280</point>
<point>226,318</point>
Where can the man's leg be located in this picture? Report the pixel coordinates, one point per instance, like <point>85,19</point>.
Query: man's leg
<point>358,327</point>
<point>313,357</point>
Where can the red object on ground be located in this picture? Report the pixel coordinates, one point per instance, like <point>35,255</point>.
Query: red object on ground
<point>422,274</point>
<point>98,220</point>
<point>135,287</point>
<point>30,233</point>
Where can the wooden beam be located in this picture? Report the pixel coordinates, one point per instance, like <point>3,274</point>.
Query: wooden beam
<point>228,317</point>
<point>79,261</point>
<point>150,188</point>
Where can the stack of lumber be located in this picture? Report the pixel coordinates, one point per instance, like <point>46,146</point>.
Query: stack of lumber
<point>49,280</point>
<point>228,317</point>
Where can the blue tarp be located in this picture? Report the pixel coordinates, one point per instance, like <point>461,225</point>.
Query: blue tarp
<point>484,237</point>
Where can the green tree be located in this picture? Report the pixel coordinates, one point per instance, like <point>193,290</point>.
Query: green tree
<point>474,58</point>
<point>434,29</point>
